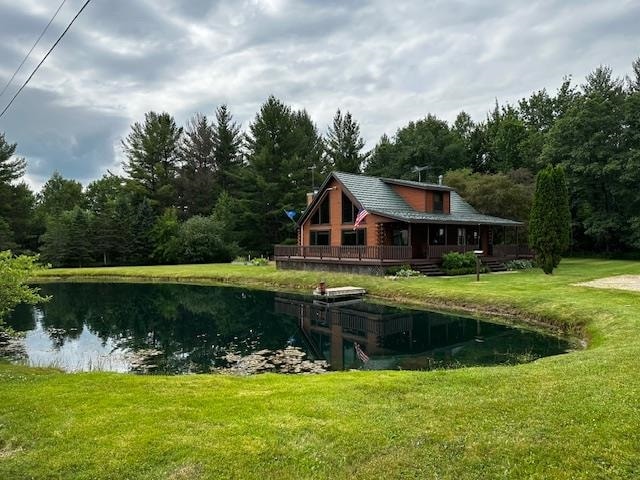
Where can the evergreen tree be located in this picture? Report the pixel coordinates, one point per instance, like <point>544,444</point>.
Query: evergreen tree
<point>123,219</point>
<point>344,144</point>
<point>102,196</point>
<point>55,240</point>
<point>79,243</point>
<point>382,156</point>
<point>17,209</point>
<point>196,180</point>
<point>634,80</point>
<point>227,141</point>
<point>281,145</point>
<point>142,245</point>
<point>6,236</point>
<point>152,157</point>
<point>11,167</point>
<point>549,225</point>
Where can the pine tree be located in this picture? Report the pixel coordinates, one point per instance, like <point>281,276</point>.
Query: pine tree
<point>550,218</point>
<point>11,167</point>
<point>270,146</point>
<point>152,157</point>
<point>344,144</point>
<point>142,245</point>
<point>196,180</point>
<point>634,81</point>
<point>78,240</point>
<point>102,196</point>
<point>227,141</point>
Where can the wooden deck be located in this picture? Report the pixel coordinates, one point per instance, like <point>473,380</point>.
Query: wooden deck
<point>386,254</point>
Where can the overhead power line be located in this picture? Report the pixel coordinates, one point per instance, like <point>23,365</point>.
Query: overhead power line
<point>34,46</point>
<point>44,58</point>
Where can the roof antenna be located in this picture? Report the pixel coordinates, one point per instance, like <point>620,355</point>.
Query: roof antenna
<point>313,177</point>
<point>420,170</point>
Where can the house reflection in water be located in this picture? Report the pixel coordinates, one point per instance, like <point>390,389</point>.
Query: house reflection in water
<point>397,338</point>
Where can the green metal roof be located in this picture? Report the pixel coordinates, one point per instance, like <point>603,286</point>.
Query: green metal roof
<point>376,195</point>
<point>422,185</point>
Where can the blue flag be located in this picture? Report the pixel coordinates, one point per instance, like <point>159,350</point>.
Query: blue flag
<point>291,214</point>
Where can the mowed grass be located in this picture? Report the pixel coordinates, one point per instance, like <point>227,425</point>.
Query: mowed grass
<point>570,416</point>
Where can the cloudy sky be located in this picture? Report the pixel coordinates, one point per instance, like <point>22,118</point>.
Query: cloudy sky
<point>388,62</point>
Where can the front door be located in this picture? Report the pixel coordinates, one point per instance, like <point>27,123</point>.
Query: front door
<point>419,244</point>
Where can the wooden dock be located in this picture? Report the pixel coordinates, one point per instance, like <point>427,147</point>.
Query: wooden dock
<point>339,294</point>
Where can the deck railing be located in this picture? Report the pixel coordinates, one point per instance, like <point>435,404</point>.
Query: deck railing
<point>389,252</point>
<point>359,252</point>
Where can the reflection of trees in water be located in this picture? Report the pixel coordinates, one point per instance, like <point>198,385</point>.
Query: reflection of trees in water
<point>193,326</point>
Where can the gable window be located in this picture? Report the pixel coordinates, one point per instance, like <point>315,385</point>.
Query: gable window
<point>320,237</point>
<point>354,237</point>
<point>438,202</point>
<point>349,210</point>
<point>321,215</point>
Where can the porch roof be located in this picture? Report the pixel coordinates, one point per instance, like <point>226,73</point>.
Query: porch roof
<point>377,196</point>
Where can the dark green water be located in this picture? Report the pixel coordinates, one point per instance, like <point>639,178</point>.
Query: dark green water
<point>88,326</point>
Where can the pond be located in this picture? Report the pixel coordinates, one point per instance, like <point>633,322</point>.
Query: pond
<point>167,328</point>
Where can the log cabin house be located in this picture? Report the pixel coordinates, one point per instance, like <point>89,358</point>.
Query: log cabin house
<point>404,223</point>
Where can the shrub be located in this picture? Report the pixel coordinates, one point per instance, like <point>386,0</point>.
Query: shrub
<point>202,241</point>
<point>401,271</point>
<point>455,260</point>
<point>407,272</point>
<point>259,262</point>
<point>520,264</point>
<point>455,263</point>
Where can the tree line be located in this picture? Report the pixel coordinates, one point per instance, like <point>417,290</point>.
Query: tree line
<point>208,191</point>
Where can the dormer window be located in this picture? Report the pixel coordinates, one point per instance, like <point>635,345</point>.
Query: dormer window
<point>438,202</point>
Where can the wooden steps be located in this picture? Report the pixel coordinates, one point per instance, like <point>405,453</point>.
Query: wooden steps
<point>493,265</point>
<point>427,267</point>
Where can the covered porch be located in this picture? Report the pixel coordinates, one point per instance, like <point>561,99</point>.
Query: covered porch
<point>400,242</point>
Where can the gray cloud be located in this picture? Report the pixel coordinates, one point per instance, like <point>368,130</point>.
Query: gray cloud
<point>386,62</point>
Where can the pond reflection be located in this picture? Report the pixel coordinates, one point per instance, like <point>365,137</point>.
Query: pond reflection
<point>162,328</point>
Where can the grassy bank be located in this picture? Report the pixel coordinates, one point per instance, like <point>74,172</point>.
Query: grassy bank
<point>571,416</point>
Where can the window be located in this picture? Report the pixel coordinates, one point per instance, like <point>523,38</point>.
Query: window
<point>438,202</point>
<point>354,237</point>
<point>349,210</point>
<point>462,236</point>
<point>437,236</point>
<point>321,215</point>
<point>401,236</point>
<point>320,237</point>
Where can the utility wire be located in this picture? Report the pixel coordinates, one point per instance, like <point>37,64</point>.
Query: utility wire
<point>44,58</point>
<point>34,46</point>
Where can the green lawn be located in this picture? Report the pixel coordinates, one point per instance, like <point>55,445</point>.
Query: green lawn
<point>571,416</point>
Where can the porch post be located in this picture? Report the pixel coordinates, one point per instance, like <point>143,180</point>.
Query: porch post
<point>517,244</point>
<point>428,242</point>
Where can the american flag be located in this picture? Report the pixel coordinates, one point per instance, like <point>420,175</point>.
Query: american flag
<point>361,214</point>
<point>360,354</point>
